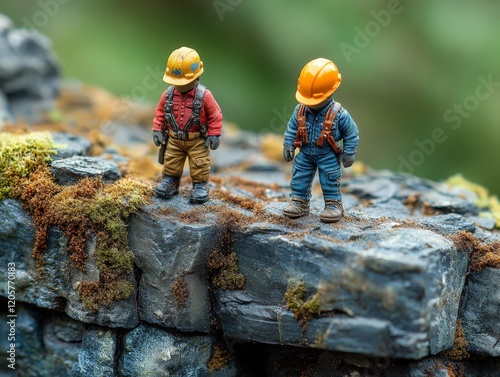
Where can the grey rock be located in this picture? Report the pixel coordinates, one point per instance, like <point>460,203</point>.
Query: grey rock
<point>451,223</point>
<point>54,286</point>
<point>121,313</point>
<point>29,72</point>
<point>449,202</point>
<point>71,145</point>
<point>5,113</point>
<point>227,156</point>
<point>5,24</point>
<point>441,367</point>
<point>484,222</point>
<point>479,313</point>
<point>48,344</point>
<point>380,188</point>
<point>285,361</point>
<point>385,208</point>
<point>47,288</point>
<point>132,135</point>
<point>395,295</point>
<point>97,354</point>
<point>149,351</point>
<point>72,170</point>
<point>170,252</point>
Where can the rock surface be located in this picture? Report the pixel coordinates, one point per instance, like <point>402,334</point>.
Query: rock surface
<point>29,73</point>
<point>480,312</point>
<point>72,170</point>
<point>388,280</point>
<point>173,290</point>
<point>70,145</point>
<point>231,287</point>
<point>383,295</point>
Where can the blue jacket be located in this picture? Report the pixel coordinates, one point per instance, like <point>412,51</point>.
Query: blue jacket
<point>344,128</point>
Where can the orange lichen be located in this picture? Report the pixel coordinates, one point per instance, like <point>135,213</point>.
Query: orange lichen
<point>180,291</point>
<point>220,358</point>
<point>222,260</point>
<point>88,207</point>
<point>481,254</point>
<point>459,350</point>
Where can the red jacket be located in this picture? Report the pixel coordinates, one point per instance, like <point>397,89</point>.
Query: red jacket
<point>210,113</point>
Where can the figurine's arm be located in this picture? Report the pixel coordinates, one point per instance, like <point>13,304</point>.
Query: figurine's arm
<point>290,134</point>
<point>159,120</point>
<point>349,132</point>
<point>213,114</point>
<point>291,129</point>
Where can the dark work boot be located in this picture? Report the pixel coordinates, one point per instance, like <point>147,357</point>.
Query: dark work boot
<point>168,187</point>
<point>333,211</point>
<point>199,194</point>
<point>297,208</point>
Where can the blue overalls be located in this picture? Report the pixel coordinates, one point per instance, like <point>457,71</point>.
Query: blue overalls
<point>312,157</point>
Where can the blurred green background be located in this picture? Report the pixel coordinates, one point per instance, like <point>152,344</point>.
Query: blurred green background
<point>412,70</point>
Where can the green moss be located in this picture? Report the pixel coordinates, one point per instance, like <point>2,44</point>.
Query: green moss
<point>88,207</point>
<point>303,309</point>
<point>21,155</point>
<point>484,200</point>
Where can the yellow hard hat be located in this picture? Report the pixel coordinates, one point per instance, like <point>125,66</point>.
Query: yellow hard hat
<point>183,66</point>
<point>317,81</point>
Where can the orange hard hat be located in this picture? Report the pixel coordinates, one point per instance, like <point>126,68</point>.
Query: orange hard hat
<point>317,81</point>
<point>183,67</point>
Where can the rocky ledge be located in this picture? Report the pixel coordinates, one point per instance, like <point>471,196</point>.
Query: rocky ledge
<point>225,286</point>
<point>110,283</point>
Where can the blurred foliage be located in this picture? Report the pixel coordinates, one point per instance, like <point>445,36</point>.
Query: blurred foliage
<point>420,58</point>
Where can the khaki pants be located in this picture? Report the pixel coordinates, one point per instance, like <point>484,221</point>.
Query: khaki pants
<point>197,154</point>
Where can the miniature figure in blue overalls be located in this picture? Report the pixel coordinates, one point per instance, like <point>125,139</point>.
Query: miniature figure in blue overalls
<point>317,124</point>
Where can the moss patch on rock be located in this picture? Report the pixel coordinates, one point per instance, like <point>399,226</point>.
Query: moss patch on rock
<point>20,155</point>
<point>87,208</point>
<point>304,309</point>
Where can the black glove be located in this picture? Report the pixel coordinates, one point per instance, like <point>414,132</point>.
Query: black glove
<point>213,142</point>
<point>159,138</point>
<point>288,152</point>
<point>348,159</point>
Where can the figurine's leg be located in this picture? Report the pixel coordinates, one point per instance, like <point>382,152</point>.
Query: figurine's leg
<point>329,178</point>
<point>175,156</point>
<point>304,168</point>
<point>303,172</point>
<point>199,166</point>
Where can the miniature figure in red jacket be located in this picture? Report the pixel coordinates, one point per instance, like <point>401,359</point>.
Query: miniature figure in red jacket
<point>188,123</point>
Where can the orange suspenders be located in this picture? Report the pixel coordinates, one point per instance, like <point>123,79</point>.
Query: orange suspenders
<point>326,132</point>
